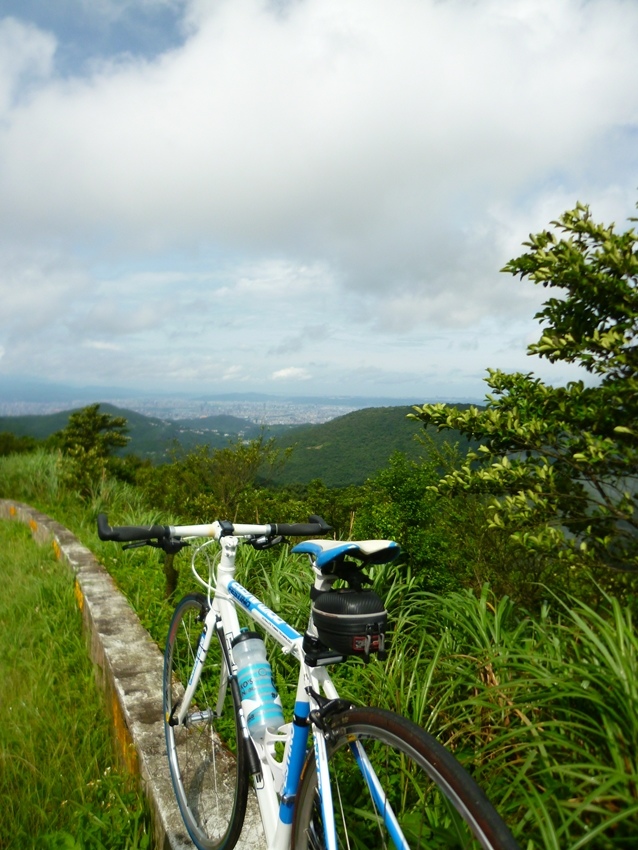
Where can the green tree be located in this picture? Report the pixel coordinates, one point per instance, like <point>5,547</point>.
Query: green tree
<point>561,463</point>
<point>89,430</point>
<point>397,505</point>
<point>88,442</point>
<point>446,540</point>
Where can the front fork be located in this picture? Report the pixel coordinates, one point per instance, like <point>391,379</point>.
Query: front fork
<point>320,717</point>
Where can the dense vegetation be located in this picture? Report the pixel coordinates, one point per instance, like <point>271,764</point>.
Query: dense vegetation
<point>352,448</point>
<point>513,641</point>
<point>59,781</point>
<point>540,704</point>
<point>151,438</point>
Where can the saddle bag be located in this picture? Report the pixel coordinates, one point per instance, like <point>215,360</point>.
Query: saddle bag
<point>351,622</point>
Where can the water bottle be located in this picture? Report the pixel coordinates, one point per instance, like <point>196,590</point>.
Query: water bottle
<point>259,698</point>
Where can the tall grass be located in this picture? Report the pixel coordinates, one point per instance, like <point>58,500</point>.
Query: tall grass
<point>33,477</point>
<point>39,480</point>
<point>543,711</point>
<point>59,782</point>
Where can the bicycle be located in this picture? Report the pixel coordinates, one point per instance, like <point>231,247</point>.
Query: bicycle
<point>337,775</point>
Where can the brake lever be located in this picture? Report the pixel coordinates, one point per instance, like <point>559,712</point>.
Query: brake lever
<point>261,543</point>
<point>138,544</point>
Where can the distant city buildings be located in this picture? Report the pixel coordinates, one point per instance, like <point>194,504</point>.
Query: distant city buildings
<point>271,412</point>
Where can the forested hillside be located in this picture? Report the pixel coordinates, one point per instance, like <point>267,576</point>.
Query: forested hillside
<point>346,450</point>
<point>352,448</point>
<point>151,437</point>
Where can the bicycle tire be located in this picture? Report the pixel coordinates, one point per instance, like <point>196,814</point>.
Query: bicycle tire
<point>207,755</point>
<point>436,802</point>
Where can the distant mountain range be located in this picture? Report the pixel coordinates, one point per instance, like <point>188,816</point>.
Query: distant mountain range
<point>150,437</point>
<point>346,450</point>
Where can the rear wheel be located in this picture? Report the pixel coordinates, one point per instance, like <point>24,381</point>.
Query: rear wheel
<point>206,755</point>
<point>427,801</point>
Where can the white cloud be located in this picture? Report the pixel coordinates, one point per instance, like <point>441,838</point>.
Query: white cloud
<point>364,168</point>
<point>291,373</point>
<point>295,342</point>
<point>348,127</point>
<point>37,289</point>
<point>101,346</point>
<point>233,373</point>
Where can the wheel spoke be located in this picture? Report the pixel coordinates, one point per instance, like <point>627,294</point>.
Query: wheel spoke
<point>206,758</point>
<point>396,787</point>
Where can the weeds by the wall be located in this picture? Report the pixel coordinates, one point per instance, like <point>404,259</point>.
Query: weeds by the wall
<point>59,782</point>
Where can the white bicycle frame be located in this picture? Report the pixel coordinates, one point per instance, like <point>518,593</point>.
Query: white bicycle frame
<point>276,785</point>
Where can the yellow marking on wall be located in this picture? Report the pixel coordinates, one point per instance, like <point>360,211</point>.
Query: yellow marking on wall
<point>79,596</point>
<point>33,525</point>
<point>123,737</point>
<point>56,549</point>
<point>12,511</point>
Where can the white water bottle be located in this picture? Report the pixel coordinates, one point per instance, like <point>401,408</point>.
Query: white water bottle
<point>259,698</point>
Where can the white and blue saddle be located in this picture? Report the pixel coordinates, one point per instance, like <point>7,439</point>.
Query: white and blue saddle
<point>326,552</point>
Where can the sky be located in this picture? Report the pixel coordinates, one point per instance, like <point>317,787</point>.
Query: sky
<point>299,197</point>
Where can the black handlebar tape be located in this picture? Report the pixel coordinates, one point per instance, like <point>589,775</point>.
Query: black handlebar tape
<point>129,533</point>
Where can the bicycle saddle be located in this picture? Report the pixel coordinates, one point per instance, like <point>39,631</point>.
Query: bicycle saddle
<point>326,552</point>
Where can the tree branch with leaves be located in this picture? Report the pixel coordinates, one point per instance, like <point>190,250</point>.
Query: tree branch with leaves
<point>561,463</point>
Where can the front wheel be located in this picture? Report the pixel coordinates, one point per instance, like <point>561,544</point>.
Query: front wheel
<point>206,755</point>
<point>416,795</point>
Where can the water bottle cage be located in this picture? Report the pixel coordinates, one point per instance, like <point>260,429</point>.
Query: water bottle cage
<point>259,698</point>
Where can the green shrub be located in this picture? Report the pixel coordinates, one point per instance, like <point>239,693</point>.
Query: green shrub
<point>11,444</point>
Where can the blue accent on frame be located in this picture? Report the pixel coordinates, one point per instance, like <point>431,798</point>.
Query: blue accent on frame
<point>381,802</point>
<point>250,603</point>
<point>287,812</point>
<point>296,759</point>
<point>302,709</point>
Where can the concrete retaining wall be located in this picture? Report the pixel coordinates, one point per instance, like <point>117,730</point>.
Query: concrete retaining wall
<point>129,668</point>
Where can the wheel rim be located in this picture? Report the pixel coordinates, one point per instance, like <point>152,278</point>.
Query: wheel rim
<point>202,753</point>
<point>427,811</point>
